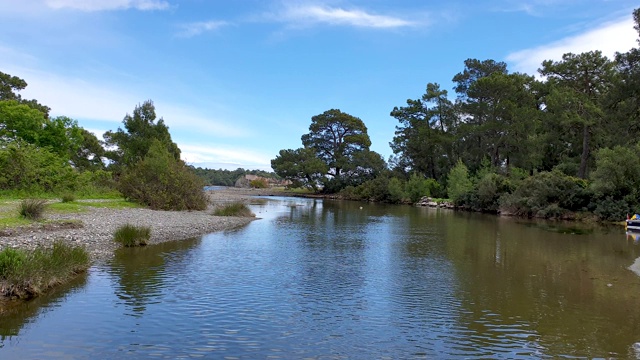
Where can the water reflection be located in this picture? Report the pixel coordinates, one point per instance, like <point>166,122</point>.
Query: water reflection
<point>14,315</point>
<point>142,272</point>
<point>332,279</point>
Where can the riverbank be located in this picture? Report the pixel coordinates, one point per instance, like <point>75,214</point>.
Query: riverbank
<point>93,228</point>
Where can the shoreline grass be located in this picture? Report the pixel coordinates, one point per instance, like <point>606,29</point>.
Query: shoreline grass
<point>130,235</point>
<point>233,209</point>
<point>27,274</point>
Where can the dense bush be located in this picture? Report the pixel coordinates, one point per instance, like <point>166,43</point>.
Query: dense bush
<point>129,235</point>
<point>33,169</point>
<point>259,184</point>
<point>458,182</point>
<point>162,182</point>
<point>417,187</point>
<point>609,209</point>
<point>547,194</point>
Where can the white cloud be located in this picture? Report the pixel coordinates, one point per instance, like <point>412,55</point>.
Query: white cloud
<point>317,14</point>
<point>608,38</point>
<point>197,28</point>
<point>93,101</point>
<point>101,5</point>
<point>232,157</point>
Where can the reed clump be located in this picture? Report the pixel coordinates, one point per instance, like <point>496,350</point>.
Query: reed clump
<point>26,274</point>
<point>130,235</point>
<point>233,209</point>
<point>32,209</point>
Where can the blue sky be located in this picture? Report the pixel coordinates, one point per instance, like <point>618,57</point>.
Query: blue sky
<point>236,81</point>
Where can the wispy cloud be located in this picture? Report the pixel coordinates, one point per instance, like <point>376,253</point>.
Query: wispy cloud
<point>226,157</point>
<point>197,28</point>
<point>102,5</point>
<point>305,15</point>
<point>610,37</point>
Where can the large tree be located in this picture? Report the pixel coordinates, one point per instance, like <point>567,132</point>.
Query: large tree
<point>579,83</point>
<point>9,88</point>
<point>132,143</point>
<point>301,167</point>
<point>336,138</point>
<point>423,141</point>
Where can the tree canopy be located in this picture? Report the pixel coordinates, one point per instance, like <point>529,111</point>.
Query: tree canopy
<point>132,143</point>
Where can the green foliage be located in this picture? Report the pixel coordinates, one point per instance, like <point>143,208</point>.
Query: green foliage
<point>162,182</point>
<point>10,260</point>
<point>237,209</point>
<point>25,274</point>
<point>547,194</point>
<point>617,172</point>
<point>610,209</point>
<point>301,167</point>
<point>458,181</point>
<point>130,235</point>
<point>140,131</point>
<point>223,177</point>
<point>32,209</point>
<point>28,167</point>
<point>68,197</point>
<point>485,195</point>
<point>259,184</point>
<point>418,186</point>
<point>372,190</point>
<point>396,191</point>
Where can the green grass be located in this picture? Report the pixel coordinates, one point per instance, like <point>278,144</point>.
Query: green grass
<point>32,209</point>
<point>129,235</point>
<point>233,209</point>
<point>81,205</point>
<point>26,274</point>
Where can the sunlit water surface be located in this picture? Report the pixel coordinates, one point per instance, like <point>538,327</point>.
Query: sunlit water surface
<point>335,280</point>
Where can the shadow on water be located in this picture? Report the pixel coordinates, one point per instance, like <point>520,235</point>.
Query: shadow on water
<point>14,314</point>
<point>141,272</point>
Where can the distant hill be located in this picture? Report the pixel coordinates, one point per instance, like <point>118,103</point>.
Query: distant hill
<point>222,177</point>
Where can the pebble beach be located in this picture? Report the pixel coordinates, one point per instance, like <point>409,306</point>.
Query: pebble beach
<point>94,227</point>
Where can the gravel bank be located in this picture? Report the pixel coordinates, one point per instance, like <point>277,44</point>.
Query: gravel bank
<point>94,228</point>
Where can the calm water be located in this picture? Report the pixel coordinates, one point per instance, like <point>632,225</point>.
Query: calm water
<point>331,280</point>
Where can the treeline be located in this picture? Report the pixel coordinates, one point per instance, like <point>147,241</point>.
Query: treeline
<point>223,177</point>
<point>44,156</point>
<point>555,146</point>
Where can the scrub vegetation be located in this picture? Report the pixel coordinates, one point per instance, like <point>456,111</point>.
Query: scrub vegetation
<point>26,274</point>
<point>234,209</point>
<point>130,235</point>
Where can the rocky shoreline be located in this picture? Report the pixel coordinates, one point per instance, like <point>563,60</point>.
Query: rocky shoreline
<point>94,228</point>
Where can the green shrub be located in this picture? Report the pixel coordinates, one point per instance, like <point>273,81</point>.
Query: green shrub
<point>10,261</point>
<point>162,182</point>
<point>34,169</point>
<point>25,274</point>
<point>537,193</point>
<point>32,209</point>
<point>396,191</point>
<point>129,235</point>
<point>259,184</point>
<point>68,197</point>
<point>233,209</point>
<point>609,209</point>
<point>458,181</point>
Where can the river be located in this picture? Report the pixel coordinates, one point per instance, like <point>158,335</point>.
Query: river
<point>318,279</point>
